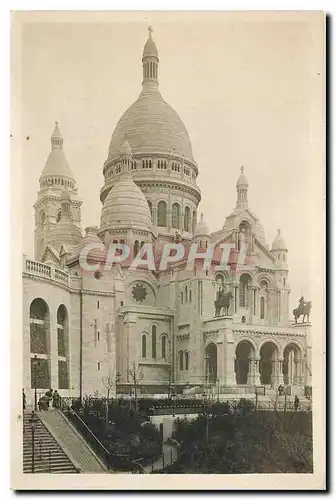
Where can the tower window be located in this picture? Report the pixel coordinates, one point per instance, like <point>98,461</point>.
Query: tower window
<point>176,216</point>
<point>97,304</point>
<point>284,282</point>
<point>284,257</point>
<point>162,214</point>
<point>181,361</point>
<point>278,256</point>
<point>187,361</point>
<point>163,347</point>
<point>187,216</point>
<point>262,308</point>
<point>154,341</point>
<point>98,366</point>
<point>143,345</point>
<point>98,336</point>
<point>59,213</point>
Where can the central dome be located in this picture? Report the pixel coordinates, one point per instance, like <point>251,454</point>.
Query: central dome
<point>151,125</point>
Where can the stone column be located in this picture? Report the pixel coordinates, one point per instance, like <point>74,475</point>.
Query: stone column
<point>53,350</point>
<point>220,361</point>
<point>169,219</point>
<point>251,372</point>
<point>280,374</point>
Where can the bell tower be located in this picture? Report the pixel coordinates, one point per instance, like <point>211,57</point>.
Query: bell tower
<point>56,178</point>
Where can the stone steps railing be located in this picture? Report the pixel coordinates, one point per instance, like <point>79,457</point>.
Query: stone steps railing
<point>45,270</point>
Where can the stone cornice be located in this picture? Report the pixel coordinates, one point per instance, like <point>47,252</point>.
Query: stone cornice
<point>45,279</point>
<point>264,333</point>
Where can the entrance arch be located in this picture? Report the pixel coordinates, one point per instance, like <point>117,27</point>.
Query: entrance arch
<point>245,354</point>
<point>292,365</point>
<point>211,363</point>
<point>269,358</point>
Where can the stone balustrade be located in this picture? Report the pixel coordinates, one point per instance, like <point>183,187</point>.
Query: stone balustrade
<point>45,270</point>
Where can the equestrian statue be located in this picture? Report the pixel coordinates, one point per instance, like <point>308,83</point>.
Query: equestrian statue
<point>222,302</point>
<point>303,310</point>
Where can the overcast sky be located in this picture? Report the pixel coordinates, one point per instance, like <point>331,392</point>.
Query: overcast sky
<point>247,88</point>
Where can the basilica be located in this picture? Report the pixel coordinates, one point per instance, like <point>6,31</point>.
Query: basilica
<point>158,331</point>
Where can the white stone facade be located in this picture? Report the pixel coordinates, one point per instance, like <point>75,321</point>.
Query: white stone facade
<point>88,331</point>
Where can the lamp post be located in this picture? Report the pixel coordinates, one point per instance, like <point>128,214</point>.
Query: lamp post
<point>35,381</point>
<point>33,421</point>
<point>204,395</point>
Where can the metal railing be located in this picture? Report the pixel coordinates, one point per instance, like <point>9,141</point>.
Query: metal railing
<point>102,452</point>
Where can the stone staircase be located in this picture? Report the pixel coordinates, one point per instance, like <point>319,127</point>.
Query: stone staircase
<point>73,444</point>
<point>49,457</point>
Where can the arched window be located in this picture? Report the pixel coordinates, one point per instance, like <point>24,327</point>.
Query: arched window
<point>186,293</point>
<point>163,347</point>
<point>190,295</point>
<point>243,291</point>
<point>154,341</point>
<point>136,248</point>
<point>262,308</point>
<point>194,220</point>
<point>162,214</point>
<point>143,346</point>
<point>187,360</point>
<point>176,216</point>
<point>39,344</point>
<point>187,219</point>
<point>181,360</point>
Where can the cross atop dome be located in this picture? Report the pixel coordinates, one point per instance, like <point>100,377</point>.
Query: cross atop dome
<point>242,169</point>
<point>150,31</point>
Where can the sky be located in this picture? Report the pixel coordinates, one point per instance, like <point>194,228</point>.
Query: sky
<point>247,87</point>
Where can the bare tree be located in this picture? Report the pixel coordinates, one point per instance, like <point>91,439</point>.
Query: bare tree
<point>136,375</point>
<point>109,382</point>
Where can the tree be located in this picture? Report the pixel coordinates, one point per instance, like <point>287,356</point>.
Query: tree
<point>136,375</point>
<point>109,382</point>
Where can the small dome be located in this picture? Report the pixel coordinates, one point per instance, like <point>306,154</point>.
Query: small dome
<point>66,232</point>
<point>150,47</point>
<point>125,149</point>
<point>125,206</point>
<point>242,181</point>
<point>201,227</point>
<point>279,242</point>
<point>90,238</point>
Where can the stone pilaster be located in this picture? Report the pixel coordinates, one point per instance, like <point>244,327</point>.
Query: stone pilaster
<point>53,350</point>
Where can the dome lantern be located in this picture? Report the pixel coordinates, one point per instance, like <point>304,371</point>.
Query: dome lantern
<point>150,62</point>
<point>242,187</point>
